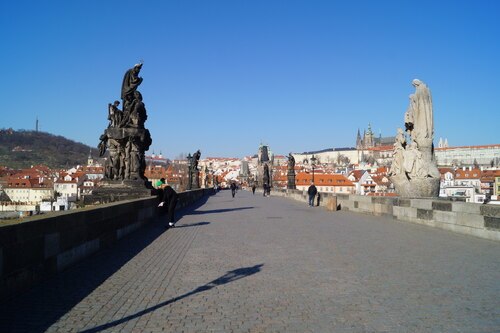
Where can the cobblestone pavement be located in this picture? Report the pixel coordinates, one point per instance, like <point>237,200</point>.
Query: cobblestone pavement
<point>255,264</point>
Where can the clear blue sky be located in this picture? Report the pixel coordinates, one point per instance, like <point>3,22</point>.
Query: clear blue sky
<point>224,76</point>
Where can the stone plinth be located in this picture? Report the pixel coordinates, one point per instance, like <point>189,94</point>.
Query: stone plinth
<point>118,190</point>
<point>291,181</point>
<point>416,187</point>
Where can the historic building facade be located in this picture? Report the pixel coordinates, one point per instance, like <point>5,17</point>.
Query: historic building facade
<point>486,155</point>
<point>368,140</point>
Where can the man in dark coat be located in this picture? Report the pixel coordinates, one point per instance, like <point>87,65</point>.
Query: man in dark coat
<point>233,189</point>
<point>312,191</point>
<point>169,200</point>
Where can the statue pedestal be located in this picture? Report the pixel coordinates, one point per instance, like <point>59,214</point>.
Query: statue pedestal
<point>117,190</point>
<point>291,181</point>
<point>416,187</point>
<point>195,183</point>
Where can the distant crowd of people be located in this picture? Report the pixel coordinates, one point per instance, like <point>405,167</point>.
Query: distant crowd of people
<point>168,197</point>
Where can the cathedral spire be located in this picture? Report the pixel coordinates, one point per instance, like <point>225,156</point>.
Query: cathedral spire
<point>370,129</point>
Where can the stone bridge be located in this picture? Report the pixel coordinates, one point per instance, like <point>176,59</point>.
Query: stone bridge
<point>271,264</point>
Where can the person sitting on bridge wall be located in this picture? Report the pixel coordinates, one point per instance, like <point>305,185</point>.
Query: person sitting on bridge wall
<point>169,200</point>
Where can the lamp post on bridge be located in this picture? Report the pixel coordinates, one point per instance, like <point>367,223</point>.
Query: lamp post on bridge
<point>313,165</point>
<point>190,171</point>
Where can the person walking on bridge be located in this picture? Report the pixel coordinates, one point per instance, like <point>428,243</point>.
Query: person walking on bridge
<point>312,191</point>
<point>233,189</point>
<point>169,200</point>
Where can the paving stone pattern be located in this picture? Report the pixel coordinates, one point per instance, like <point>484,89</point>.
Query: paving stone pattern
<point>256,264</point>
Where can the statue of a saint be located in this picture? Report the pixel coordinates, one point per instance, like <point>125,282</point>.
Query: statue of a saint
<point>131,81</point>
<point>414,170</point>
<point>263,154</point>
<point>291,162</point>
<point>419,117</point>
<point>126,139</point>
<point>412,160</point>
<point>398,158</point>
<point>114,114</point>
<point>138,114</point>
<point>102,144</point>
<point>196,158</point>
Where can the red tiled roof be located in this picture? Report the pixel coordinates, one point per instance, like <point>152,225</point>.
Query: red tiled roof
<point>323,179</point>
<point>467,174</point>
<point>381,148</point>
<point>357,174</point>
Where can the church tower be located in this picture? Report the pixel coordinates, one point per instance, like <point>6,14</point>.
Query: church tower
<point>90,159</point>
<point>359,142</point>
<point>369,139</point>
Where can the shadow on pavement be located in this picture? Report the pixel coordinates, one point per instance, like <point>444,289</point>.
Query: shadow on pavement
<point>230,276</point>
<point>191,225</point>
<point>40,307</point>
<point>214,211</point>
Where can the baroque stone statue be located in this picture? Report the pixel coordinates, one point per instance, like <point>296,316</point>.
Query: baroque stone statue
<point>126,139</point>
<point>291,172</point>
<point>265,175</point>
<point>194,175</point>
<point>414,170</point>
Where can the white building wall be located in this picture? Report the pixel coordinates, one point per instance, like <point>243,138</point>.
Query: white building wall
<point>331,156</point>
<point>466,155</point>
<point>18,194</point>
<point>37,194</point>
<point>67,190</point>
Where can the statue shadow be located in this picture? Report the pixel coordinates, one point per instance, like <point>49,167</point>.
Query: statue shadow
<point>50,299</point>
<point>191,225</point>
<point>53,297</point>
<point>214,211</point>
<point>229,277</point>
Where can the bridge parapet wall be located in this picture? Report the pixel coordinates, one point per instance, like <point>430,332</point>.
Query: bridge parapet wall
<point>478,220</point>
<point>45,244</point>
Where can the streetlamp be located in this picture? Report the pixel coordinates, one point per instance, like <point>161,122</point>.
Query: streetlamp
<point>206,177</point>
<point>190,171</point>
<point>313,164</point>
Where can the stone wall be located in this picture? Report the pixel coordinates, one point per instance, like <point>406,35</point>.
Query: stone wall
<point>46,244</point>
<point>466,218</point>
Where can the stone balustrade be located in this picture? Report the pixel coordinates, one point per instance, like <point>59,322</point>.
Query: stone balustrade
<point>480,220</point>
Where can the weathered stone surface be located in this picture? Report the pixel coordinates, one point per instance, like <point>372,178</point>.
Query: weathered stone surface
<point>425,214</point>
<point>421,203</point>
<point>466,207</point>
<point>470,220</point>
<point>492,222</point>
<point>126,139</point>
<point>383,200</point>
<point>401,202</point>
<point>76,253</point>
<point>118,190</point>
<point>444,206</point>
<point>414,171</point>
<point>331,203</point>
<point>490,210</point>
<point>52,246</point>
<point>417,187</point>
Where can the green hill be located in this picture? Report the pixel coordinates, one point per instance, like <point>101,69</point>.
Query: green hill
<point>22,149</point>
